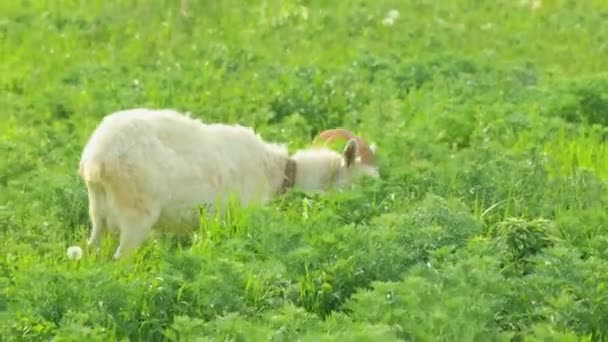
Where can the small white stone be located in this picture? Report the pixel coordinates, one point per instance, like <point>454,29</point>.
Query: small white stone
<point>74,252</point>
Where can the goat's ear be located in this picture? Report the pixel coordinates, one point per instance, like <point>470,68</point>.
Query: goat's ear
<point>350,152</point>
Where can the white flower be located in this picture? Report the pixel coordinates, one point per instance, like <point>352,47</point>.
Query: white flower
<point>390,18</point>
<point>393,14</point>
<point>74,252</point>
<point>388,21</point>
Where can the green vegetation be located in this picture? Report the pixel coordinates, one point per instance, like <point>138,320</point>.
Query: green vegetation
<point>489,222</point>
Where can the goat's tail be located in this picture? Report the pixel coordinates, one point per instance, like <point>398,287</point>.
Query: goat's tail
<point>91,170</point>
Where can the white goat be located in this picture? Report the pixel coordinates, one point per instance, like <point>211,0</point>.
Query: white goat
<point>151,169</point>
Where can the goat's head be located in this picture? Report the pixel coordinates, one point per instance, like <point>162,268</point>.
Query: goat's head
<point>323,168</point>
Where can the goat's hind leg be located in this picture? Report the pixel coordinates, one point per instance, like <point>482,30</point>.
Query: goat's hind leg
<point>97,213</point>
<point>135,228</point>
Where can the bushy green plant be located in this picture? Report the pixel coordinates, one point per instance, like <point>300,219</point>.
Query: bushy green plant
<point>581,100</point>
<point>523,239</point>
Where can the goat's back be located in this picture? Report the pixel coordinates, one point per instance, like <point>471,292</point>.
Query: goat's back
<point>174,158</point>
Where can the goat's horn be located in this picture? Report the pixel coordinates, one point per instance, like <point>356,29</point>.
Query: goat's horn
<point>365,152</point>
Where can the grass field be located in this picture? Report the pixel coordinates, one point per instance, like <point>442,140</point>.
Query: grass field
<point>489,221</point>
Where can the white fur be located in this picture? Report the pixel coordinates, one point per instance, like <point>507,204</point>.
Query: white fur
<point>148,168</point>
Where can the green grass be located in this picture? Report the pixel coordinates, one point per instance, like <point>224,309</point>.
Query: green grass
<point>488,223</point>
